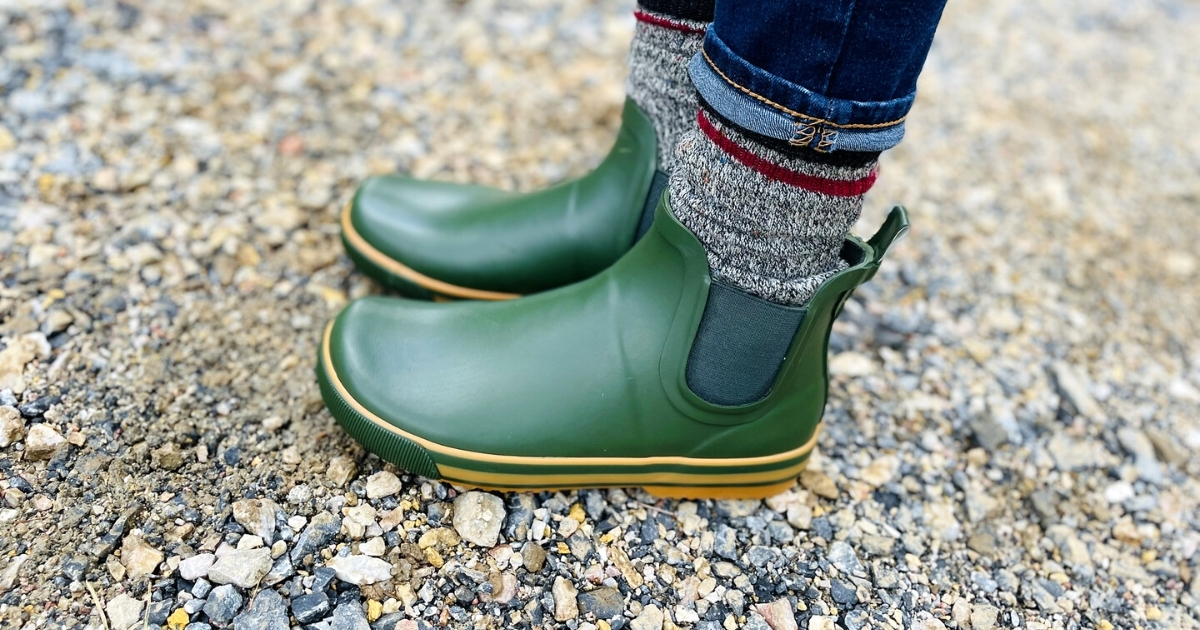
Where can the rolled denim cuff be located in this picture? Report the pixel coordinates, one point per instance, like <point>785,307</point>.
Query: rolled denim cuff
<point>766,104</point>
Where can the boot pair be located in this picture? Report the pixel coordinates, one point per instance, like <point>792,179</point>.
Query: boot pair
<point>589,345</point>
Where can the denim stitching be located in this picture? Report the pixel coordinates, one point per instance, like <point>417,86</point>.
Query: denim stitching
<point>806,117</point>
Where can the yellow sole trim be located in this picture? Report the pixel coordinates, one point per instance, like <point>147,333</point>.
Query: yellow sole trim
<point>670,492</point>
<point>394,267</point>
<point>665,479</point>
<point>518,460</point>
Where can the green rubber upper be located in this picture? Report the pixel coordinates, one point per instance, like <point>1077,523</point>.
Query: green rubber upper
<point>592,369</point>
<point>488,239</point>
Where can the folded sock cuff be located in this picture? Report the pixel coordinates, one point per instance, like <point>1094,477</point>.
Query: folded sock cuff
<point>697,10</point>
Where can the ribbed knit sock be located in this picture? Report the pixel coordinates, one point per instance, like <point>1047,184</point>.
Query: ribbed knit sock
<point>771,220</point>
<point>658,78</point>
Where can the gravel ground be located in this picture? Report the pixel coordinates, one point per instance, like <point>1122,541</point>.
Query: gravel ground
<point>1016,401</point>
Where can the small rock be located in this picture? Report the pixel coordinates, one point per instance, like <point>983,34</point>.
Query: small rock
<point>223,603</point>
<point>842,556</point>
<point>257,516</point>
<point>382,484</point>
<point>983,617</point>
<point>42,442</point>
<point>341,469</point>
<point>1138,445</point>
<point>374,547</point>
<point>478,517</point>
<point>778,614</point>
<point>533,557</point>
<point>819,484</point>
<point>196,567</point>
<point>320,531</point>
<point>360,570</point>
<point>566,606</point>
<point>651,618</point>
<point>881,470</point>
<point>311,607</point>
<point>167,457</point>
<point>242,567</point>
<point>178,620</point>
<point>961,613</point>
<point>265,612</point>
<point>349,616</point>
<point>852,364</point>
<point>123,611</point>
<point>1072,386</point>
<point>821,622</point>
<point>440,538</point>
<point>12,426</point>
<point>605,602</point>
<point>843,593</point>
<point>138,557</point>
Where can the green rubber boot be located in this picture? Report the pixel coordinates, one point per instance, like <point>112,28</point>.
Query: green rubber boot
<point>646,374</point>
<point>428,239</point>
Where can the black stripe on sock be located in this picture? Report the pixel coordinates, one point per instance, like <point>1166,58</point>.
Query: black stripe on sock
<point>698,10</point>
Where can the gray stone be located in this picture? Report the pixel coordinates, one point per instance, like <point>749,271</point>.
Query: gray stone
<point>349,616</point>
<point>725,542</point>
<point>580,545</point>
<point>281,570</point>
<point>266,612</point>
<point>478,517</point>
<point>843,593</point>
<point>842,556</point>
<point>201,588</point>
<point>604,602</point>
<point>223,603</point>
<point>241,567</point>
<point>1072,386</point>
<point>311,607</point>
<point>533,557</point>
<point>1137,444</point>
<point>319,532</point>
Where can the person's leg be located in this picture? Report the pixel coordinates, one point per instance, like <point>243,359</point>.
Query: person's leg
<point>798,100</point>
<point>669,33</point>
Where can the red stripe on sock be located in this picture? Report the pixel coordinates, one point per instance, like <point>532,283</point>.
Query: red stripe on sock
<point>822,185</point>
<point>642,16</point>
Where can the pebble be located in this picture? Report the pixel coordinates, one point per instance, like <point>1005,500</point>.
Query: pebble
<point>819,484</point>
<point>12,426</point>
<point>604,602</point>
<point>478,517</point>
<point>138,557</point>
<point>382,484</point>
<point>778,614</point>
<point>310,607</point>
<point>533,557</point>
<point>984,617</point>
<point>340,470</point>
<point>651,618</point>
<point>257,516</point>
<point>267,611</point>
<point>123,611</point>
<point>42,442</point>
<point>842,556</point>
<point>566,606</point>
<point>242,567</point>
<point>222,604</point>
<point>360,570</point>
<point>319,532</point>
<point>349,616</point>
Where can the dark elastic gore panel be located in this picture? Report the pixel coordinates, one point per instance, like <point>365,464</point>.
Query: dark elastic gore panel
<point>739,346</point>
<point>698,10</point>
<point>656,190</point>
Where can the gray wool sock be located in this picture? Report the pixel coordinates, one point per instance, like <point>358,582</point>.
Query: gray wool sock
<point>772,224</point>
<point>658,78</point>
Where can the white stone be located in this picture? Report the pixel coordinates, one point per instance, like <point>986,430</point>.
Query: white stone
<point>651,618</point>
<point>1118,492</point>
<point>360,569</point>
<point>42,442</point>
<point>12,426</point>
<point>374,547</point>
<point>241,567</point>
<point>138,557</point>
<point>478,517</point>
<point>196,567</point>
<point>257,516</point>
<point>566,604</point>
<point>123,612</point>
<point>851,364</point>
<point>382,484</point>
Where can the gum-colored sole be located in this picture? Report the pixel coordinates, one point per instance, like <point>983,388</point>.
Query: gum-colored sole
<point>665,476</point>
<point>391,273</point>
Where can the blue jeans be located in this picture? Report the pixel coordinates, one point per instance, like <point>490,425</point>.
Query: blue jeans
<point>824,74</point>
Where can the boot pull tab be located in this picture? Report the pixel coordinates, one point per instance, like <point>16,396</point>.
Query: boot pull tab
<point>894,229</point>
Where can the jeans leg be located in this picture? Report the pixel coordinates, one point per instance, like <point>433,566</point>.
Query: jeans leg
<point>824,74</point>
